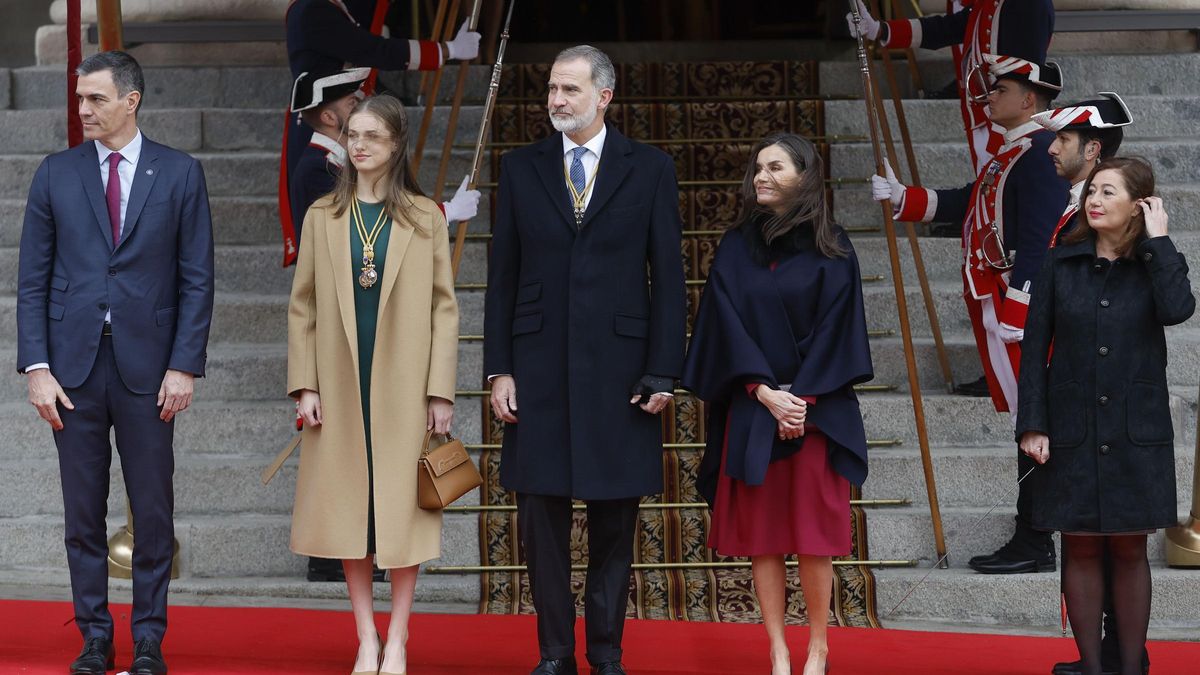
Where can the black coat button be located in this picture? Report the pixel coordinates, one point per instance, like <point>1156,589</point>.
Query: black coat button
<point>103,306</point>
<point>1103,400</point>
<point>1105,303</point>
<point>112,271</point>
<point>1147,256</point>
<point>1104,449</point>
<point>1104,351</point>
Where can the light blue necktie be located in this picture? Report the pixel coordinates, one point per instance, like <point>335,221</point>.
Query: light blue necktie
<point>578,175</point>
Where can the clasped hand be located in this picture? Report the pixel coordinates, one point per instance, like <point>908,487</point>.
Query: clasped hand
<point>1036,445</point>
<point>789,411</point>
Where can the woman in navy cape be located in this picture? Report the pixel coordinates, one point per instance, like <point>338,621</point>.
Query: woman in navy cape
<point>778,344</point>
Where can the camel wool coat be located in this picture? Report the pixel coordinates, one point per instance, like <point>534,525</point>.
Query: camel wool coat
<point>416,354</point>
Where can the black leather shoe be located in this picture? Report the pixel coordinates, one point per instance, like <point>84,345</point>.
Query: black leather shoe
<point>148,658</point>
<point>556,667</point>
<point>978,388</point>
<point>1021,555</point>
<point>96,657</point>
<point>610,668</point>
<point>1076,668</point>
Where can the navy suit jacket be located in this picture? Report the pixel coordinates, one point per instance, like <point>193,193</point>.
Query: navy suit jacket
<point>157,282</point>
<point>577,316</point>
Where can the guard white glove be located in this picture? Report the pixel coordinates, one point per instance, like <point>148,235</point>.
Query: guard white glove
<point>464,204</point>
<point>1009,334</point>
<point>887,188</point>
<point>465,45</point>
<point>870,27</point>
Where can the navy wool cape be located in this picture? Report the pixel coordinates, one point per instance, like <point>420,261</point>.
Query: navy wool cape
<point>801,323</point>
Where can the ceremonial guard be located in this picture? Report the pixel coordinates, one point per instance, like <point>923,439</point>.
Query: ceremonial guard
<point>973,30</point>
<point>1008,215</point>
<point>1087,133</point>
<point>323,37</point>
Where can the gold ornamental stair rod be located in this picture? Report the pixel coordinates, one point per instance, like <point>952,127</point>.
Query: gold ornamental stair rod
<point>464,68</point>
<point>914,243</point>
<point>485,125</point>
<point>1183,540</point>
<point>435,86</point>
<point>714,565</point>
<point>654,506</point>
<point>914,383</point>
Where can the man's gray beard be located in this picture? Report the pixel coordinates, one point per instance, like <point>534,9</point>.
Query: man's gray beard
<point>574,123</point>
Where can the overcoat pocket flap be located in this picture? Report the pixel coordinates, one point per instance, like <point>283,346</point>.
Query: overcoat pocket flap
<point>630,326</point>
<point>1148,414</point>
<point>446,457</point>
<point>59,283</point>
<point>527,323</point>
<point>55,311</point>
<point>529,292</point>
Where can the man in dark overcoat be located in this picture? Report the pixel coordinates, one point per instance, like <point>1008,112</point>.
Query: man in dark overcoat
<point>584,337</point>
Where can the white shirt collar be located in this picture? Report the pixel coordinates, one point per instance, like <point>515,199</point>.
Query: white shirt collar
<point>596,144</point>
<point>1076,193</point>
<point>131,152</point>
<point>331,147</point>
<point>1017,133</point>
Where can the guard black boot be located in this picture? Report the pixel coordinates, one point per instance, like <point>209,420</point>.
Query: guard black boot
<point>1027,551</point>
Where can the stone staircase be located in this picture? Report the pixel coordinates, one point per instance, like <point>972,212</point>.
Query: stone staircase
<point>234,532</point>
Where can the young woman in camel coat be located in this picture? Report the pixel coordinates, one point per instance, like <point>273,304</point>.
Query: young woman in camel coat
<point>373,367</point>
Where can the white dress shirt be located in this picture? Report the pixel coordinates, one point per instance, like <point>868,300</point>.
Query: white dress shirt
<point>590,160</point>
<point>125,170</point>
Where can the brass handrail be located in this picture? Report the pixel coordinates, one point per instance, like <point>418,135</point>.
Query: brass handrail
<point>652,506</point>
<point>861,388</point>
<point>484,569</point>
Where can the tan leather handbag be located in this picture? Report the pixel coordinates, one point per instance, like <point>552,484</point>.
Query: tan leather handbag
<point>444,473</point>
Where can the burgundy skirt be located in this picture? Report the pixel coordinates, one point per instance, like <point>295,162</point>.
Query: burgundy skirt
<point>802,506</point>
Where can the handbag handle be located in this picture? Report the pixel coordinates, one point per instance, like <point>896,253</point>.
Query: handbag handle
<point>429,434</point>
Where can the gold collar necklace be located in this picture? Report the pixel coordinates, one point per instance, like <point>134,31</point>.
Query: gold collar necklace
<point>368,276</point>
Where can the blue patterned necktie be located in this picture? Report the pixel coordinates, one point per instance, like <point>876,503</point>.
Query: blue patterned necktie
<point>578,175</point>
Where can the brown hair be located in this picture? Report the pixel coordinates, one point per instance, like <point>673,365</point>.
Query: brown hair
<point>398,175</point>
<point>804,202</point>
<point>1138,176</point>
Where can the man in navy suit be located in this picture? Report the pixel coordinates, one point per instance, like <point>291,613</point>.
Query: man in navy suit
<point>114,302</point>
<point>584,326</point>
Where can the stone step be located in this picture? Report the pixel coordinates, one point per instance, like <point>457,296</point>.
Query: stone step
<point>243,545</point>
<point>213,129</point>
<point>42,87</point>
<point>947,164</point>
<point>238,174</point>
<point>1084,74</point>
<point>906,533</point>
<point>973,477</point>
<point>853,206</point>
<point>940,120</point>
<point>1025,600</point>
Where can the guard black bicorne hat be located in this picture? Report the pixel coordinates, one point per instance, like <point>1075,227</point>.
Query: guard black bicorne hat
<point>1100,113</point>
<point>1047,76</point>
<point>312,89</point>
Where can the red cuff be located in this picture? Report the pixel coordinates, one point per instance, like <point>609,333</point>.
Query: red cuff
<point>752,387</point>
<point>426,55</point>
<point>1013,311</point>
<point>901,33</point>
<point>917,206</point>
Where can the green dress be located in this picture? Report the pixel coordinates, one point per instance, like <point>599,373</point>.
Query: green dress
<point>366,319</point>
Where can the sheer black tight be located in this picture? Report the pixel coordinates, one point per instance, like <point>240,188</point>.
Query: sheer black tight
<point>1084,586</point>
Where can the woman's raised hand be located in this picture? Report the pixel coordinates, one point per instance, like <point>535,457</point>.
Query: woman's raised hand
<point>1155,216</point>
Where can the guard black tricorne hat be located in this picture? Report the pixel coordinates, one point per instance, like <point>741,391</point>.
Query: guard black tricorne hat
<point>1048,77</point>
<point>1100,113</point>
<point>313,89</point>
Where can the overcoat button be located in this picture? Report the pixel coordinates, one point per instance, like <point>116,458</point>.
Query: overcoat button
<point>1104,351</point>
<point>103,306</point>
<point>1104,449</point>
<point>1147,256</point>
<point>1105,303</point>
<point>1103,400</point>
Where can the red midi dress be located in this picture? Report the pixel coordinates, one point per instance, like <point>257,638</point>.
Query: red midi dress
<point>802,506</point>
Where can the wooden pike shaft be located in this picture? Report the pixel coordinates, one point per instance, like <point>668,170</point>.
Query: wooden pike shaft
<point>435,85</point>
<point>109,25</point>
<point>935,326</point>
<point>914,383</point>
<point>489,105</point>
<point>452,122</point>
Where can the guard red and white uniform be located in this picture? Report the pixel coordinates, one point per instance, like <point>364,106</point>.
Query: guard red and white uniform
<point>973,29</point>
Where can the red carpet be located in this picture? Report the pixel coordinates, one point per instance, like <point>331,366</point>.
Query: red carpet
<point>39,638</point>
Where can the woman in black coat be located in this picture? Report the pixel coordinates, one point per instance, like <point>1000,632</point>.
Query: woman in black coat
<point>778,343</point>
<point>1094,409</point>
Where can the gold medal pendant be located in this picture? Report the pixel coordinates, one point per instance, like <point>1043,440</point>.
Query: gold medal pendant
<point>368,276</point>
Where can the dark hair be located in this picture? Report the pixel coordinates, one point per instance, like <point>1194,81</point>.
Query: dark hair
<point>126,73</point>
<point>1138,176</point>
<point>1109,139</point>
<point>398,176</point>
<point>804,203</point>
<point>1041,95</point>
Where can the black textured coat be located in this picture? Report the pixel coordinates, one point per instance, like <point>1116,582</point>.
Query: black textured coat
<point>1103,399</point>
<point>580,317</point>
